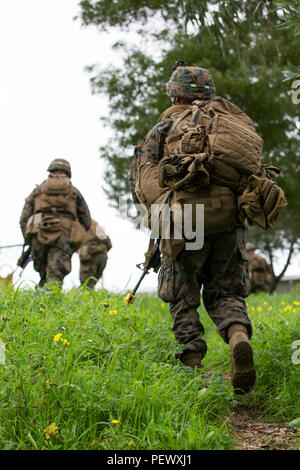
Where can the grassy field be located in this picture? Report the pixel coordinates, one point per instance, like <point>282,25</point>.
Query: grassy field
<point>83,371</point>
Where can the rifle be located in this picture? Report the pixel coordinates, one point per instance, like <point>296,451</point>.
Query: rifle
<point>25,258</point>
<point>22,262</point>
<point>152,261</point>
<point>11,246</point>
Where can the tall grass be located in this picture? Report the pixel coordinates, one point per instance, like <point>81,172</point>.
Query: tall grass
<point>83,371</point>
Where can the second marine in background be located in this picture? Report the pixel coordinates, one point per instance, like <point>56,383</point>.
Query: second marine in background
<point>93,254</point>
<point>54,219</point>
<point>259,271</point>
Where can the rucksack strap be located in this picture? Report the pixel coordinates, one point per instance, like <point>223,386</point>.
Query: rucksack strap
<point>180,118</point>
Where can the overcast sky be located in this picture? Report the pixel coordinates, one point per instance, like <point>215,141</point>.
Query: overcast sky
<point>47,111</point>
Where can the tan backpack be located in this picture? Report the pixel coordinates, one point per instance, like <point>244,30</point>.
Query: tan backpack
<point>214,142</point>
<point>261,201</point>
<point>56,196</point>
<point>211,149</point>
<point>210,141</point>
<point>258,271</point>
<point>95,241</point>
<point>55,199</point>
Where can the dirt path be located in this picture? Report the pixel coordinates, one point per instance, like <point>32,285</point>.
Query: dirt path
<point>252,434</point>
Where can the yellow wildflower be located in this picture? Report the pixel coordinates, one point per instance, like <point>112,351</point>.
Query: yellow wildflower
<point>113,312</point>
<point>266,303</point>
<point>57,337</point>
<point>259,309</point>
<point>51,430</point>
<point>296,303</point>
<point>114,421</point>
<point>283,303</point>
<point>65,341</point>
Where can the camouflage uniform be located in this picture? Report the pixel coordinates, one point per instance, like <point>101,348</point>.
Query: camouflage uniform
<point>53,261</point>
<point>220,267</point>
<point>260,275</point>
<point>92,269</point>
<point>93,254</point>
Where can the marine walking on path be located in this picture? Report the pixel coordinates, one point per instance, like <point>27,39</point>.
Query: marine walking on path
<point>203,151</point>
<point>54,221</point>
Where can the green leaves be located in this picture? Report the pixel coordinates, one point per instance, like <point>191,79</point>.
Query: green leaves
<point>107,13</point>
<point>292,73</point>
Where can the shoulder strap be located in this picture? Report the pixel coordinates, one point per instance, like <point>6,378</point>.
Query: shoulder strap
<point>180,118</point>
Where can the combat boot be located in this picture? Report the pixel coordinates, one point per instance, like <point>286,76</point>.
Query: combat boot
<point>242,366</point>
<point>192,359</point>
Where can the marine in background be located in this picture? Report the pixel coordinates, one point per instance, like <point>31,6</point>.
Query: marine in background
<point>93,254</point>
<point>54,221</point>
<point>259,271</point>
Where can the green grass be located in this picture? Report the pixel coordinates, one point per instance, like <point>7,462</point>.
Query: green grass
<point>118,364</point>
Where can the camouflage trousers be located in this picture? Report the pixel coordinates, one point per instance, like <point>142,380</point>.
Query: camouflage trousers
<point>52,262</point>
<point>220,270</point>
<point>92,268</point>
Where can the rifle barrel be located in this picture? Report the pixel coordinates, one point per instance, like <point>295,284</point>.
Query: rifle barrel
<point>11,246</point>
<point>145,271</point>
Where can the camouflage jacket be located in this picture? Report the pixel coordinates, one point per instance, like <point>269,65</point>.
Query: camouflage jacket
<point>151,148</point>
<point>83,213</point>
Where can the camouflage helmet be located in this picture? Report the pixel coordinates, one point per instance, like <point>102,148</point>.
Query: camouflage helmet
<point>192,83</point>
<point>250,247</point>
<point>60,164</point>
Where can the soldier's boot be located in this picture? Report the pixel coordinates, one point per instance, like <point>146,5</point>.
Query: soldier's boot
<point>242,365</point>
<point>192,359</point>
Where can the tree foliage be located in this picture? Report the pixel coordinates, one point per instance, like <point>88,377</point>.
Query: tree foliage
<point>245,45</point>
<point>290,19</point>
